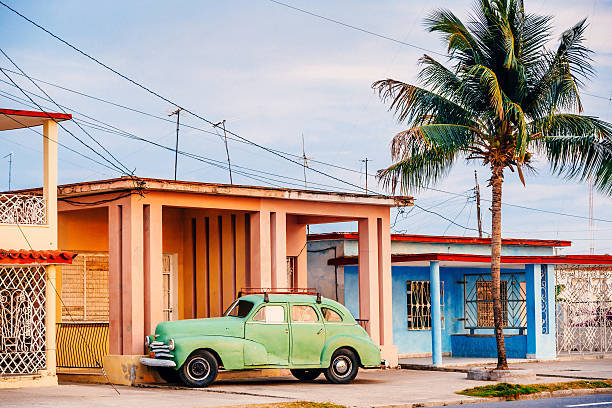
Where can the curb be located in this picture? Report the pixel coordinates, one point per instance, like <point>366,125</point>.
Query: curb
<point>475,400</point>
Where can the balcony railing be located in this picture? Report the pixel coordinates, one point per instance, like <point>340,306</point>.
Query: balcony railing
<point>23,209</point>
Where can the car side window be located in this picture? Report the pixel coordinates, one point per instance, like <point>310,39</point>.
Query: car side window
<point>303,314</point>
<point>331,315</point>
<point>270,314</point>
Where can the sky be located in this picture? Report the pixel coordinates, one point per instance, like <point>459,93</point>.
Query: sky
<point>278,77</point>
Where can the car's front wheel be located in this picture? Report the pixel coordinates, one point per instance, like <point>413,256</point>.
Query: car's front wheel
<point>343,367</point>
<point>307,374</point>
<point>200,369</point>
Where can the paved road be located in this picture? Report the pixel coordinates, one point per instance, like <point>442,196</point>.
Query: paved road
<point>587,401</point>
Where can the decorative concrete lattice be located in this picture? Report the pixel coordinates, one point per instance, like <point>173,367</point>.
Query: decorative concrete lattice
<point>22,209</point>
<point>584,308</point>
<point>22,319</point>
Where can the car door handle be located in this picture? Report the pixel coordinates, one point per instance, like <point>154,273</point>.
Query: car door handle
<point>320,331</point>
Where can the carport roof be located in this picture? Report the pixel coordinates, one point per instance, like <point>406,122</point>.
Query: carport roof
<point>450,259</point>
<point>18,119</point>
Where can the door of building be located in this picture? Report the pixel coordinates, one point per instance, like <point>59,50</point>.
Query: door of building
<point>170,287</point>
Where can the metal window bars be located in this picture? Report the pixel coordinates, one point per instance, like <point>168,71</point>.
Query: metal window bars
<point>22,320</point>
<point>478,303</point>
<point>23,209</point>
<point>418,299</point>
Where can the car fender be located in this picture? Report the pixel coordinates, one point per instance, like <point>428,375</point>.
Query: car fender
<point>367,351</point>
<point>229,349</point>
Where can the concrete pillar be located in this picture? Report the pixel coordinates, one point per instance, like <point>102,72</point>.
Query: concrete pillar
<point>540,288</point>
<point>278,237</point>
<point>50,178</point>
<point>261,268</point>
<point>50,307</point>
<point>115,319</point>
<point>368,276</point>
<point>436,316</point>
<point>153,297</point>
<point>132,277</point>
<point>385,301</point>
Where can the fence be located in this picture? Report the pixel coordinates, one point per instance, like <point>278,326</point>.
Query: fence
<point>584,308</point>
<point>81,345</point>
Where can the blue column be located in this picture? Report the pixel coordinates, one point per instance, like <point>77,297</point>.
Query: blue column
<point>436,318</point>
<point>541,331</point>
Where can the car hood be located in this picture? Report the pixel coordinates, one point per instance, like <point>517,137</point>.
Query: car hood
<point>215,326</point>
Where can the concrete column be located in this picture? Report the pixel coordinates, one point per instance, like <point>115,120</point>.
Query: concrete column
<point>534,301</point>
<point>132,277</point>
<point>50,178</point>
<point>261,268</point>
<point>436,316</point>
<point>541,343</point>
<point>153,297</point>
<point>385,302</point>
<point>50,318</point>
<point>115,319</point>
<point>368,276</point>
<point>278,237</point>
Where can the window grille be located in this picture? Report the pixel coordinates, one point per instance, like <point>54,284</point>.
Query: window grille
<point>85,289</point>
<point>22,320</point>
<point>478,307</point>
<point>23,209</point>
<point>419,304</point>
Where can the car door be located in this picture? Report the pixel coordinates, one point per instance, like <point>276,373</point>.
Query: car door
<point>307,335</point>
<point>268,326</point>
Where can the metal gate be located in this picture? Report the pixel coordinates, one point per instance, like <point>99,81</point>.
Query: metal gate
<point>22,319</point>
<point>584,308</point>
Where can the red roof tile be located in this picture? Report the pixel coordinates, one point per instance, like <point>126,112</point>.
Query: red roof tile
<point>22,256</point>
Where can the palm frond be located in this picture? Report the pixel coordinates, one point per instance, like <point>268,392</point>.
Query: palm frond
<point>458,38</point>
<point>488,80</point>
<point>417,106</point>
<point>578,147</point>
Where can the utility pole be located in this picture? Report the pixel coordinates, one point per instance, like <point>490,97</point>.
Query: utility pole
<point>178,116</point>
<point>478,205</point>
<point>305,160</point>
<point>10,157</point>
<point>591,222</point>
<point>366,160</point>
<point>229,163</point>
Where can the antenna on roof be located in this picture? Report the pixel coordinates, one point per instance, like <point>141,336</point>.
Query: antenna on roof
<point>10,157</point>
<point>178,115</point>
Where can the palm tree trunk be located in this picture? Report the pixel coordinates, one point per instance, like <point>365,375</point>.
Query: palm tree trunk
<point>496,183</point>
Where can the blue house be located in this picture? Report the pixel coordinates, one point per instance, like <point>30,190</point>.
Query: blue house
<point>454,273</point>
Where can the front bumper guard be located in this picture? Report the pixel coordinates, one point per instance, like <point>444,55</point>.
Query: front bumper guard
<point>155,362</point>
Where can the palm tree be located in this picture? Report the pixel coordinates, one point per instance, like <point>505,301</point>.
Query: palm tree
<point>503,99</point>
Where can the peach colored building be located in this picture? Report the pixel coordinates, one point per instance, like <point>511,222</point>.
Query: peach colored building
<point>179,250</point>
<point>28,259</point>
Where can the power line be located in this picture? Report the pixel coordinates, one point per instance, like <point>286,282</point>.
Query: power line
<point>363,30</point>
<point>127,171</point>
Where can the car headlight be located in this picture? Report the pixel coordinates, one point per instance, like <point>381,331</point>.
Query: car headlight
<point>171,344</point>
<point>147,341</point>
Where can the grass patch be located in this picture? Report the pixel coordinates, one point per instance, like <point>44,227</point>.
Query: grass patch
<point>514,390</point>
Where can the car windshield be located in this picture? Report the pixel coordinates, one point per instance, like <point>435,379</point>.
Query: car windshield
<point>239,308</point>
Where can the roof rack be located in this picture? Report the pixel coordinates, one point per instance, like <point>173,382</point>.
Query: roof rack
<point>280,291</point>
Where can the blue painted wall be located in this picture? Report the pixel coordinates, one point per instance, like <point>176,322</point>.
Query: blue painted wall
<point>464,345</point>
<point>419,341</point>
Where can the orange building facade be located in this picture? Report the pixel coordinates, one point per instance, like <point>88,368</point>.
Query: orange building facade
<point>180,250</point>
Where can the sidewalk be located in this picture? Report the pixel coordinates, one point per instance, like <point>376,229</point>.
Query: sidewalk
<point>371,389</point>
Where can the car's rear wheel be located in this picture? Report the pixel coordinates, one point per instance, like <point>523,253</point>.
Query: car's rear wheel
<point>200,369</point>
<point>343,367</point>
<point>168,374</point>
<point>307,374</point>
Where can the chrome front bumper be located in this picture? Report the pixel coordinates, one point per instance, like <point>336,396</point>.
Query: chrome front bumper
<point>155,362</point>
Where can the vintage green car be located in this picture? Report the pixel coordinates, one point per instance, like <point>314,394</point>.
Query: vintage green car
<point>306,333</point>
